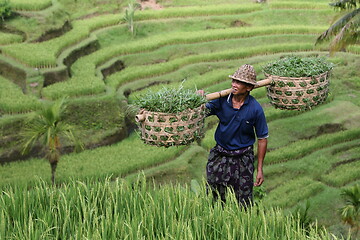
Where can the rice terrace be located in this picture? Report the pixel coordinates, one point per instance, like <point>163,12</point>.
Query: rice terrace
<point>81,66</point>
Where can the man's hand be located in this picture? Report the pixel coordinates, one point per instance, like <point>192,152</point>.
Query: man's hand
<point>259,179</point>
<point>262,146</point>
<point>201,92</point>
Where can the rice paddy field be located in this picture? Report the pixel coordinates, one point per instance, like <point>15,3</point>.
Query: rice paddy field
<point>83,49</point>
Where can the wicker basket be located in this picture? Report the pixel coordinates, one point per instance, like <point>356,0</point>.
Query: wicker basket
<point>298,93</point>
<point>169,129</point>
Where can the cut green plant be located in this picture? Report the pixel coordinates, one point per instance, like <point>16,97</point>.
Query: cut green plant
<point>170,100</point>
<point>298,83</point>
<point>171,117</point>
<point>295,66</point>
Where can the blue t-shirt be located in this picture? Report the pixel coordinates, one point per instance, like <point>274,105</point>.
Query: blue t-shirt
<point>236,126</point>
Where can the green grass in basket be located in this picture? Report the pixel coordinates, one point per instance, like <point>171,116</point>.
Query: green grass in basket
<point>295,66</point>
<point>170,100</point>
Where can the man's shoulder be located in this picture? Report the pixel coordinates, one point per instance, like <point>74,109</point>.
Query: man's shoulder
<point>255,105</point>
<point>215,103</point>
<point>253,101</point>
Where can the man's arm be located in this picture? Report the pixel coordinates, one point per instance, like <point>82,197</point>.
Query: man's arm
<point>262,146</point>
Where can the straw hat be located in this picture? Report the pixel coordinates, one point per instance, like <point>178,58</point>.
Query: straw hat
<point>246,74</point>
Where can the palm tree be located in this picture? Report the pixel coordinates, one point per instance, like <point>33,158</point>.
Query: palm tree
<point>46,127</point>
<point>346,28</point>
<point>350,213</point>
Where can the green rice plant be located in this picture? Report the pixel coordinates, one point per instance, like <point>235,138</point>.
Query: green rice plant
<point>120,159</point>
<point>138,211</point>
<point>30,5</point>
<point>307,1</point>
<point>10,122</point>
<point>275,17</point>
<point>13,100</point>
<point>186,3</point>
<point>314,165</point>
<point>295,190</point>
<point>345,171</point>
<point>189,165</point>
<point>177,12</point>
<point>75,87</point>
<point>44,54</point>
<point>295,66</point>
<point>299,5</point>
<point>208,141</point>
<point>33,24</point>
<point>302,147</point>
<point>309,124</point>
<point>103,55</point>
<point>83,82</point>
<point>9,38</point>
<point>102,115</point>
<point>170,100</point>
<point>170,52</point>
<point>134,73</point>
<point>116,35</point>
<point>155,42</point>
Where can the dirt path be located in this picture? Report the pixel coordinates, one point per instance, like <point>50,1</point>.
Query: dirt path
<point>150,4</point>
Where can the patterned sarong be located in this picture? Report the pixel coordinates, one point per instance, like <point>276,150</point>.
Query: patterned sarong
<point>234,169</point>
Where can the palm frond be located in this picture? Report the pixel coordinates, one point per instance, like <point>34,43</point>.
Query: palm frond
<point>338,26</point>
<point>58,108</point>
<point>33,132</point>
<point>347,36</point>
<point>28,140</point>
<point>352,196</point>
<point>347,213</point>
<point>69,134</point>
<point>46,126</point>
<point>350,212</point>
<point>345,4</point>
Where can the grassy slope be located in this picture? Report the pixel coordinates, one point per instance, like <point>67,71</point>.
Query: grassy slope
<point>317,169</point>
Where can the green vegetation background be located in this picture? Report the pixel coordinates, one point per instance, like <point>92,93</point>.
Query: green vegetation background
<point>312,155</point>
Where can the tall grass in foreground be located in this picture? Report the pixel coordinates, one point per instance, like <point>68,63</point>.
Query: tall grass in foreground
<point>118,210</point>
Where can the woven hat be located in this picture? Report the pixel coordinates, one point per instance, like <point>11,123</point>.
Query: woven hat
<point>245,73</point>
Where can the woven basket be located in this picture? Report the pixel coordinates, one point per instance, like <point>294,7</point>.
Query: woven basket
<point>172,129</point>
<point>298,93</point>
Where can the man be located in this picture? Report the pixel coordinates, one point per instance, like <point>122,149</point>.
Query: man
<point>241,120</point>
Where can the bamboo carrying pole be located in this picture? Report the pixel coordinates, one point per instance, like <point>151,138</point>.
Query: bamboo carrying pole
<point>223,93</point>
<point>216,95</point>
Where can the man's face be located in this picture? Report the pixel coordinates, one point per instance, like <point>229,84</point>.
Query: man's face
<point>240,88</point>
